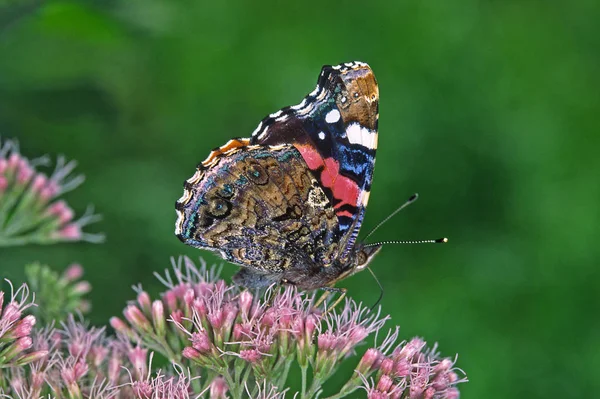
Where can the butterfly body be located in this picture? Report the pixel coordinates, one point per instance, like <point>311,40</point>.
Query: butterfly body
<point>287,203</point>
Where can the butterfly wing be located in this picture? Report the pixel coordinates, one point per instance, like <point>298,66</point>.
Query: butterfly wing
<point>335,130</point>
<point>259,207</point>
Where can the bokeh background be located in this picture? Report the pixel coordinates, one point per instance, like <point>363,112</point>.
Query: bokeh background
<point>489,109</point>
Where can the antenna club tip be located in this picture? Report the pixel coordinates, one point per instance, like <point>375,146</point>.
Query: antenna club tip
<point>442,240</point>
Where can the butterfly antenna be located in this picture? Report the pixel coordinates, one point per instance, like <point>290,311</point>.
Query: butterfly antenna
<point>380,289</point>
<point>409,201</point>
<point>436,241</point>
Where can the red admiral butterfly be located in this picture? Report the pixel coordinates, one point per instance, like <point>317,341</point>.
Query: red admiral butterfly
<point>287,203</point>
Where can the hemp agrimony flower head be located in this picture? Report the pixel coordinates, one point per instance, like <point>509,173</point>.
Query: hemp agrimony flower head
<point>58,295</point>
<point>30,208</point>
<point>242,346</point>
<point>15,329</point>
<point>81,361</point>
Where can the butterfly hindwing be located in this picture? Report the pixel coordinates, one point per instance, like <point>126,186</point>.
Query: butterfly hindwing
<point>259,207</point>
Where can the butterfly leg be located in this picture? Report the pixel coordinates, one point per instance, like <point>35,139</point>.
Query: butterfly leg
<point>327,293</point>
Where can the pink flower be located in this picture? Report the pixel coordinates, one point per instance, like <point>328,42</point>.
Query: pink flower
<point>16,328</point>
<point>31,219</point>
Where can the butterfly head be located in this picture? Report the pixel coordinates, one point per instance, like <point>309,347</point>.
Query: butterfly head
<point>364,254</point>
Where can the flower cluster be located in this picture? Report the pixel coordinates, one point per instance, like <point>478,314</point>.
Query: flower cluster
<point>411,371</point>
<point>30,211</point>
<point>16,328</point>
<point>58,295</point>
<point>242,346</point>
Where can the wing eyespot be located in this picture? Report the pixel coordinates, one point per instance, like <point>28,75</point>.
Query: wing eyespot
<point>257,174</point>
<point>219,208</point>
<point>226,191</point>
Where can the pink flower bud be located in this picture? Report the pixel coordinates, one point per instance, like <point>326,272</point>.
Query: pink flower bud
<point>452,393</point>
<point>81,369</point>
<point>158,317</point>
<point>409,350</point>
<point>137,357</point>
<point>46,194</point>
<point>311,324</point>
<point>377,395</point>
<point>402,368</point>
<point>369,361</point>
<point>118,325</point>
<point>70,232</point>
<point>12,313</point>
<point>82,287</point>
<point>171,300</point>
<point>387,366</point>
<point>39,181</point>
<point>177,316</point>
<point>22,328</point>
<point>114,367</point>
<point>429,393</point>
<point>218,388</point>
<point>241,332</point>
<point>13,160</point>
<point>191,353</point>
<point>73,272</point>
<point>136,318</point>
<point>230,314</point>
<point>24,174</point>
<point>357,335</point>
<point>66,215</point>
<point>199,305</point>
<point>385,383</point>
<point>326,341</point>
<point>3,165</point>
<point>250,355</point>
<point>145,302</point>
<point>245,301</point>
<point>19,346</point>
<point>56,208</point>
<point>77,347</point>
<point>97,354</point>
<point>188,297</point>
<point>216,318</point>
<point>201,342</point>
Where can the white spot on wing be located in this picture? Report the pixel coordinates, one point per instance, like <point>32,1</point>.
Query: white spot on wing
<point>358,134</point>
<point>322,135</point>
<point>332,116</point>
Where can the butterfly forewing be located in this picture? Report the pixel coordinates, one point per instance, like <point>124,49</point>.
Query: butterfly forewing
<point>335,130</point>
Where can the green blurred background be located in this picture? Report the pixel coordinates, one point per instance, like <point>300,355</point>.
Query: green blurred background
<point>489,109</point>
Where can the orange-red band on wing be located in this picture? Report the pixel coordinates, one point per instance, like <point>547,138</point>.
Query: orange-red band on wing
<point>344,189</point>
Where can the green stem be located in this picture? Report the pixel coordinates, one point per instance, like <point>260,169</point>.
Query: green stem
<point>304,370</point>
<point>169,353</point>
<point>232,386</point>
<point>352,385</point>
<point>284,374</point>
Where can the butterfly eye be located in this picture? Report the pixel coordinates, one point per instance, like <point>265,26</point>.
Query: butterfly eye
<point>219,208</point>
<point>361,258</point>
<point>257,174</point>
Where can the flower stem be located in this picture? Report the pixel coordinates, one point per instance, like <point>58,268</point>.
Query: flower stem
<point>304,370</point>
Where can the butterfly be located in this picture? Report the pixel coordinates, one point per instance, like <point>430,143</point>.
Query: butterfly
<point>287,203</point>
